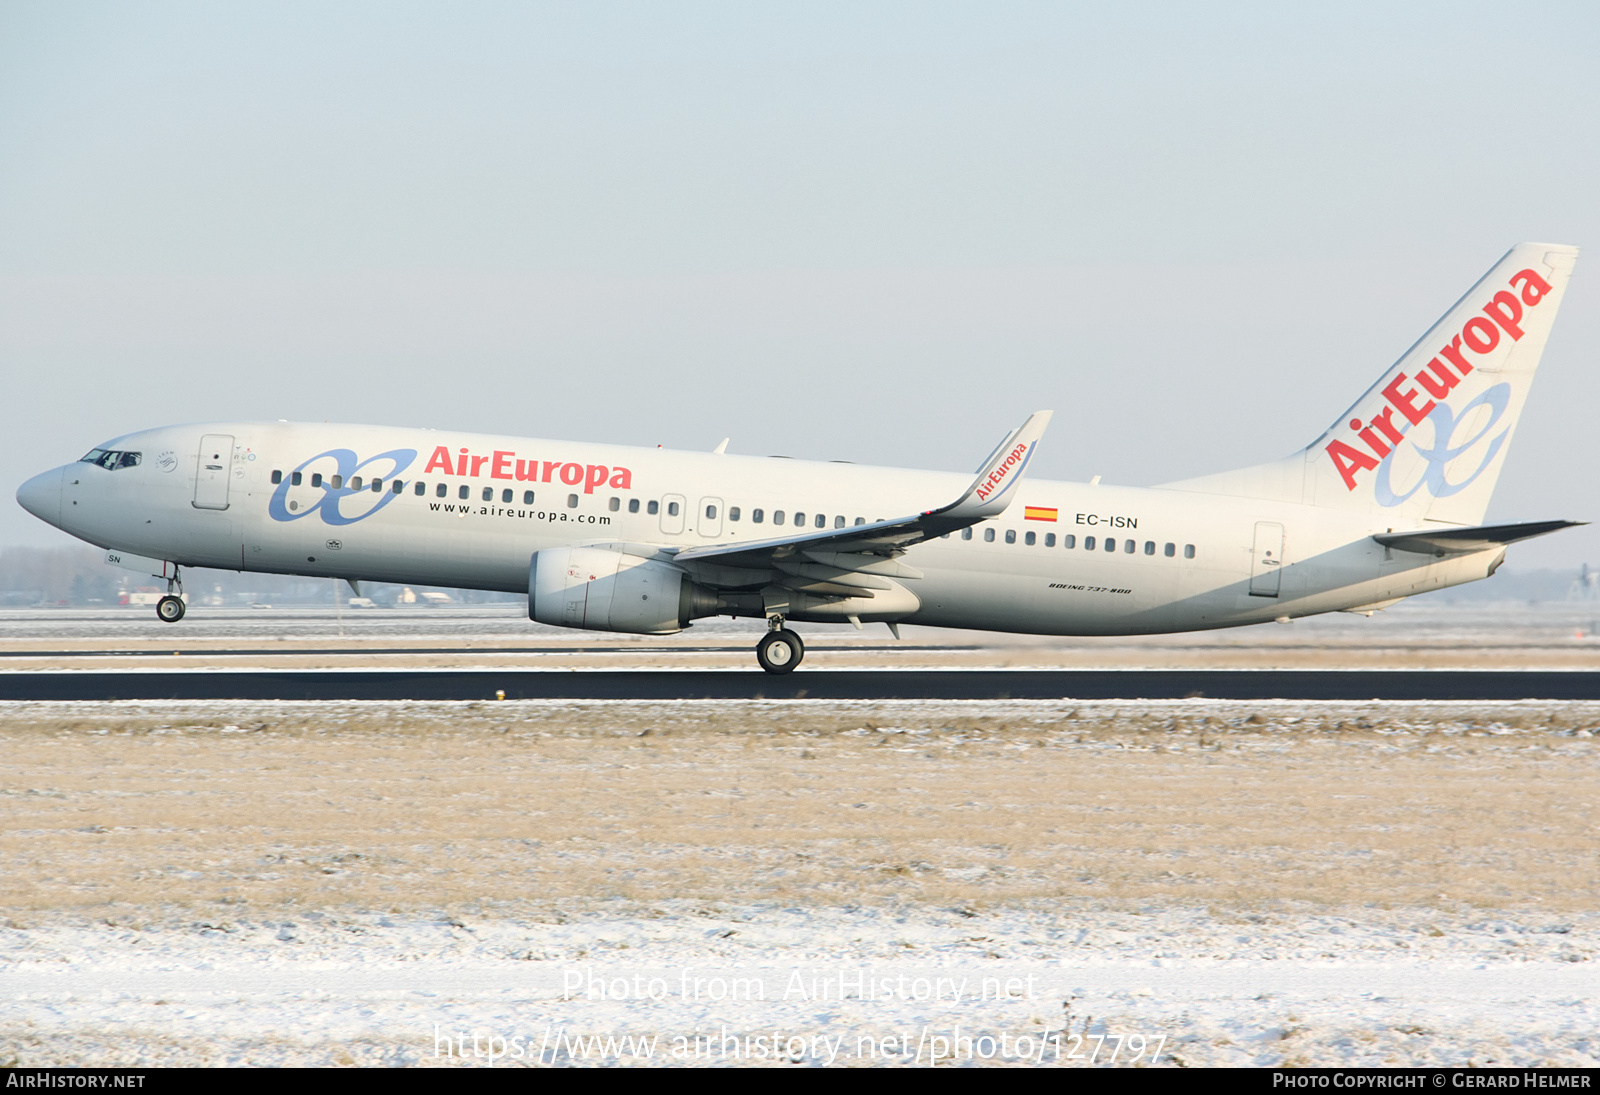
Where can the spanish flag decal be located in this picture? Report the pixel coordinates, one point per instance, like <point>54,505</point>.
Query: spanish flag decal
<point>1038,513</point>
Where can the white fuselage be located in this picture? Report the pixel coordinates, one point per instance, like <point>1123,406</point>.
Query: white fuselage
<point>476,523</point>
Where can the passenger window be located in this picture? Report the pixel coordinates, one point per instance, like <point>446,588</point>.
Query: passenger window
<point>1088,543</point>
<point>863,520</point>
<point>756,516</point>
<point>614,505</point>
<point>1188,551</point>
<point>838,522</point>
<point>777,517</point>
<point>1070,541</point>
<point>1049,539</point>
<point>1030,539</point>
<point>488,494</point>
<point>355,482</point>
<point>316,479</point>
<point>653,508</point>
<point>572,502</point>
<point>733,513</point>
<point>377,486</point>
<point>441,490</point>
<point>672,507</point>
<point>1129,546</point>
<point>337,482</point>
<point>397,487</point>
<point>1170,550</point>
<point>420,489</point>
<point>988,535</point>
<point>277,477</point>
<point>966,533</point>
<point>711,513</point>
<point>527,497</point>
<point>506,495</point>
<point>464,493</point>
<point>799,520</point>
<point>1011,535</point>
<point>821,520</point>
<point>1111,543</point>
<point>633,505</point>
<point>1149,547</point>
<point>294,479</point>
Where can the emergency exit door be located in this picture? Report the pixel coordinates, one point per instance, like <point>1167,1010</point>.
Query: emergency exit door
<point>212,471</point>
<point>1266,567</point>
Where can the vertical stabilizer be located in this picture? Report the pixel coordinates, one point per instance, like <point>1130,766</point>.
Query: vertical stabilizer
<point>1428,440</point>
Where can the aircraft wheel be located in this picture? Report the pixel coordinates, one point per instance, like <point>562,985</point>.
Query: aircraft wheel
<point>780,651</point>
<point>169,610</point>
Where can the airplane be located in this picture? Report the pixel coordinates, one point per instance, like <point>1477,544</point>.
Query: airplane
<point>1387,503</point>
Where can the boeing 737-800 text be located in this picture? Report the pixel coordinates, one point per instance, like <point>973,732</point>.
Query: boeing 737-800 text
<point>1387,503</point>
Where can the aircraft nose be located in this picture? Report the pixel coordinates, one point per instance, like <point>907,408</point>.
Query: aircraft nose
<point>41,496</point>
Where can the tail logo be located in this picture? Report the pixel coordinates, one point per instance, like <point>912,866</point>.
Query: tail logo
<point>1442,452</point>
<point>1420,398</point>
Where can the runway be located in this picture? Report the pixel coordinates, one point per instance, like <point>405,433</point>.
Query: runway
<point>867,684</point>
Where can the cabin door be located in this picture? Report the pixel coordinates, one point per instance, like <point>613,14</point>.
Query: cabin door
<point>1266,566</point>
<point>212,470</point>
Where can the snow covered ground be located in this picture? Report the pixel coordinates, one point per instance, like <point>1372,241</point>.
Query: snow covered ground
<point>848,883</point>
<point>814,986</point>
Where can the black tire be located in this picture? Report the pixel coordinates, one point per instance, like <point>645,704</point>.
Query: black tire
<point>169,610</point>
<point>780,651</point>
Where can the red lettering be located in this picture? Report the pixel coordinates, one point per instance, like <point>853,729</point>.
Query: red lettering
<point>1373,443</point>
<point>1384,420</point>
<point>1534,288</point>
<point>1405,402</point>
<point>528,471</point>
<point>550,465</point>
<point>477,465</point>
<point>1506,310</point>
<point>1453,353</point>
<point>572,474</point>
<point>501,469</point>
<point>440,460</point>
<point>461,463</point>
<point>594,475</point>
<point>1488,334</point>
<point>1440,387</point>
<point>621,478</point>
<point>1349,461</point>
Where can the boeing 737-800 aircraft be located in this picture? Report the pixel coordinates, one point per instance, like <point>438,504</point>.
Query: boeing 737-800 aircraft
<point>1387,503</point>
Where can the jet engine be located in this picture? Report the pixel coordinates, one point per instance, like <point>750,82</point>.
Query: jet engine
<point>603,589</point>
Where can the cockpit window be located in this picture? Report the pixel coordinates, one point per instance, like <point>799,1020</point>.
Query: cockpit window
<point>111,459</point>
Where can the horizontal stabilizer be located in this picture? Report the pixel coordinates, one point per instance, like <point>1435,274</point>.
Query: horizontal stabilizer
<point>1459,541</point>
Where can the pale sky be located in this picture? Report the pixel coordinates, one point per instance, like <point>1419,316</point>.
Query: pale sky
<point>875,232</point>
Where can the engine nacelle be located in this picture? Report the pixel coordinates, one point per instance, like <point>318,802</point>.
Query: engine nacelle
<point>600,589</point>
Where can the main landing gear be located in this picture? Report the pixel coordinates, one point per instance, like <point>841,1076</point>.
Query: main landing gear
<point>170,609</point>
<point>780,649</point>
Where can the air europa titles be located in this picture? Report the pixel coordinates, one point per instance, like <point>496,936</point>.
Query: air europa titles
<point>1000,473</point>
<point>1480,336</point>
<point>503,464</point>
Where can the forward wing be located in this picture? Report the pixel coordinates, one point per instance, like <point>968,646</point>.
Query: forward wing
<point>859,557</point>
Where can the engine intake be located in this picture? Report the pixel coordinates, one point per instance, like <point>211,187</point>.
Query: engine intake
<point>600,589</point>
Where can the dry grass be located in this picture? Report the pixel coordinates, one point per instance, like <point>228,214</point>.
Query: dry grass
<point>501,806</point>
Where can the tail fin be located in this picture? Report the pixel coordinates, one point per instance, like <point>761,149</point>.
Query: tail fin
<point>1460,388</point>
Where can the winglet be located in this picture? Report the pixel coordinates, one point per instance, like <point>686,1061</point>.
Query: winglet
<point>995,485</point>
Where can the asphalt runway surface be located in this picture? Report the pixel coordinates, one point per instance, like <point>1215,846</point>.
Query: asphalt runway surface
<point>491,684</point>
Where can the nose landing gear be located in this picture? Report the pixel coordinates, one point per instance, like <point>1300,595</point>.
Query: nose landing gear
<point>170,609</point>
<point>780,649</point>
